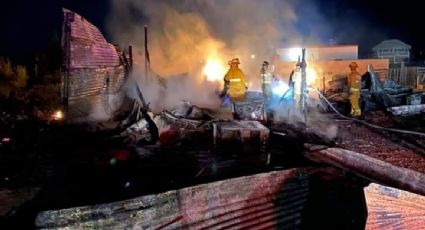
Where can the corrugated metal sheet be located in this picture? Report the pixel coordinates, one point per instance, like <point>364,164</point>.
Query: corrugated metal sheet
<point>261,201</point>
<point>391,208</point>
<point>93,69</point>
<point>87,46</point>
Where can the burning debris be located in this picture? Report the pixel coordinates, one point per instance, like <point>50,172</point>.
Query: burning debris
<point>239,104</point>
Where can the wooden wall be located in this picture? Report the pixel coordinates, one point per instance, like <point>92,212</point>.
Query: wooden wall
<point>412,76</point>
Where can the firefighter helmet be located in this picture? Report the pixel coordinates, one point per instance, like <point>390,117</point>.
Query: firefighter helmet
<point>353,65</point>
<point>235,61</point>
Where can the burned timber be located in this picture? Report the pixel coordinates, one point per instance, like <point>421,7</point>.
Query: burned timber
<point>237,166</point>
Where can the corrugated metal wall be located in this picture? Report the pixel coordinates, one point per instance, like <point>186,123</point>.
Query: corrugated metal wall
<point>259,201</point>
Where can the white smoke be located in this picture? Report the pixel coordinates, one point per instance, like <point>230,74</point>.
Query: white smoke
<point>315,120</point>
<point>178,88</point>
<point>109,103</point>
<point>183,34</point>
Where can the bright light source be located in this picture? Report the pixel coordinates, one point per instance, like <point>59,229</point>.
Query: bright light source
<point>311,76</point>
<point>5,139</point>
<point>252,56</point>
<point>57,115</point>
<point>214,70</point>
<point>294,53</point>
<point>279,88</point>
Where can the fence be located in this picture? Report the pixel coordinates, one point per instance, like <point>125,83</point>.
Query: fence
<point>412,76</point>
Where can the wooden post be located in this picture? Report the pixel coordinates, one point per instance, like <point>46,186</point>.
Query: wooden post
<point>130,56</point>
<point>146,54</point>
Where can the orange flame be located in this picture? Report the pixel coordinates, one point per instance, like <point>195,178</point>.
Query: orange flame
<point>214,69</point>
<point>311,75</point>
<point>57,115</point>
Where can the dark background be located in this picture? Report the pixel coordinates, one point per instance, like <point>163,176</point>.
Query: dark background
<point>30,26</point>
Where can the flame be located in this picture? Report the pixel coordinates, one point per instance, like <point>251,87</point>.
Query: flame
<point>57,115</point>
<point>311,75</point>
<point>294,53</point>
<point>214,69</point>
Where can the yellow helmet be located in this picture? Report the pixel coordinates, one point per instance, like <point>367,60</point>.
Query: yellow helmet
<point>235,61</point>
<point>353,65</point>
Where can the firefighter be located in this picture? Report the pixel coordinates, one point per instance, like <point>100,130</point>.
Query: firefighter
<point>234,81</point>
<point>354,83</point>
<point>266,78</point>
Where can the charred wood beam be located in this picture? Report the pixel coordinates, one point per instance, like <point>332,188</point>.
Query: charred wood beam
<point>368,168</point>
<point>301,133</point>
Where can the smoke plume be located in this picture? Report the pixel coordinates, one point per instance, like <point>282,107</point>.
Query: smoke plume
<point>184,34</point>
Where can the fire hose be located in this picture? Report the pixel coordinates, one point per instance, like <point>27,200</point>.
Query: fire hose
<point>364,122</point>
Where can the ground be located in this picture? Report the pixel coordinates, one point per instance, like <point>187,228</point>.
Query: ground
<point>75,167</point>
<point>387,147</point>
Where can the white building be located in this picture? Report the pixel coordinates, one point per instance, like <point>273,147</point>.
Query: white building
<point>320,53</point>
<point>394,50</point>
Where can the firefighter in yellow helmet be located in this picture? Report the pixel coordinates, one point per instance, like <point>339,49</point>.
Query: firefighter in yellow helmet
<point>234,81</point>
<point>354,83</point>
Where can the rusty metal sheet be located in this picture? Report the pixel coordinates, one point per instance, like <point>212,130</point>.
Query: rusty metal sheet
<point>86,47</point>
<point>259,201</point>
<point>93,69</point>
<point>390,208</point>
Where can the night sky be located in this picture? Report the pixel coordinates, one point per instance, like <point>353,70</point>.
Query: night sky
<point>28,26</point>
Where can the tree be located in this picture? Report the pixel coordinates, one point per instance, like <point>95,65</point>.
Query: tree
<point>21,78</point>
<point>11,79</point>
<point>6,69</point>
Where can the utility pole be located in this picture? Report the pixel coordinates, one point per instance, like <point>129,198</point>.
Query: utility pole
<point>147,59</point>
<point>303,98</point>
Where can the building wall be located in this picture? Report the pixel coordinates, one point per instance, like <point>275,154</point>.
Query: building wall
<point>395,55</point>
<point>394,50</point>
<point>90,89</point>
<point>93,69</point>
